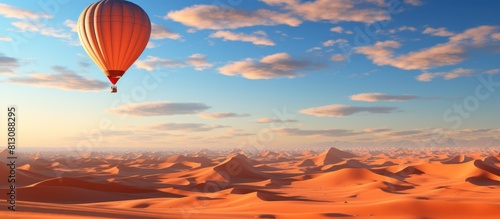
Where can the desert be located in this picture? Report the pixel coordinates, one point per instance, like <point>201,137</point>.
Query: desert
<point>315,183</point>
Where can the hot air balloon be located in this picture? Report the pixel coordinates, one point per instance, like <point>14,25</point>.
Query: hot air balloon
<point>114,33</point>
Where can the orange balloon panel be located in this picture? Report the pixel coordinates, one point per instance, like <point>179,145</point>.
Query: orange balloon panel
<point>114,33</point>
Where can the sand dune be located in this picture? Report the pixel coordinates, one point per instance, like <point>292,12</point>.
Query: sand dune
<point>332,156</point>
<point>457,159</point>
<point>211,184</point>
<point>239,169</point>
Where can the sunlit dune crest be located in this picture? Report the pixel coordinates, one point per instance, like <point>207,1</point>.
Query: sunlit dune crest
<point>327,183</point>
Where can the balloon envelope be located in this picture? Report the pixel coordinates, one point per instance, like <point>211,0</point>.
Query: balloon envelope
<point>114,33</point>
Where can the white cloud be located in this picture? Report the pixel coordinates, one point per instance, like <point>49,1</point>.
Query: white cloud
<point>183,127</point>
<point>438,32</point>
<point>10,62</point>
<point>7,64</point>
<point>222,115</point>
<point>151,45</point>
<point>64,78</point>
<point>218,17</point>
<point>273,66</point>
<point>413,2</point>
<point>407,28</point>
<point>269,120</point>
<point>456,73</point>
<point>493,71</point>
<point>197,61</point>
<point>338,58</point>
<point>343,110</point>
<point>478,36</point>
<point>29,26</point>
<point>403,28</point>
<point>71,24</point>
<point>314,49</point>
<point>317,132</point>
<point>258,39</point>
<point>334,10</point>
<point>10,11</point>
<point>449,53</point>
<point>232,133</point>
<point>374,97</point>
<point>159,109</point>
<point>333,42</point>
<point>495,36</point>
<point>6,39</point>
<point>382,53</point>
<point>152,62</point>
<point>337,29</point>
<point>159,32</point>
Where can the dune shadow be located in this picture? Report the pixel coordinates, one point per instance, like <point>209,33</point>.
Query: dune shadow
<point>273,196</point>
<point>266,216</point>
<point>142,205</point>
<point>395,189</point>
<point>336,215</point>
<point>206,198</point>
<point>482,181</point>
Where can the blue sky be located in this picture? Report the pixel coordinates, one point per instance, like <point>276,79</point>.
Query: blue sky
<point>261,73</point>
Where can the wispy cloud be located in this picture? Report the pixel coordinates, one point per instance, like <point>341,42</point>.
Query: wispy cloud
<point>10,11</point>
<point>316,48</point>
<point>401,133</point>
<point>269,120</point>
<point>333,42</point>
<point>317,132</point>
<point>64,79</point>
<point>232,133</point>
<point>333,10</point>
<point>438,32</point>
<point>152,62</point>
<point>256,38</point>
<point>375,97</point>
<point>493,71</point>
<point>449,53</point>
<point>339,29</point>
<point>29,26</point>
<point>457,73</point>
<point>382,53</point>
<point>344,110</point>
<point>338,57</point>
<point>5,38</point>
<point>151,45</point>
<point>10,62</point>
<point>159,32</point>
<point>197,61</point>
<point>413,2</point>
<point>183,127</point>
<point>159,109</point>
<point>222,115</point>
<point>403,28</point>
<point>279,65</point>
<point>7,64</point>
<point>219,17</point>
<point>29,21</point>
<point>71,24</point>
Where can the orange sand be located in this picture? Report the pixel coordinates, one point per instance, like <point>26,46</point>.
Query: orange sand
<point>389,183</point>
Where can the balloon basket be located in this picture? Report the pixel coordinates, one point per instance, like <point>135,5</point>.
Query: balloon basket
<point>114,89</point>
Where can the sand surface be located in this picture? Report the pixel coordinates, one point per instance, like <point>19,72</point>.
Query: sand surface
<point>329,183</point>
